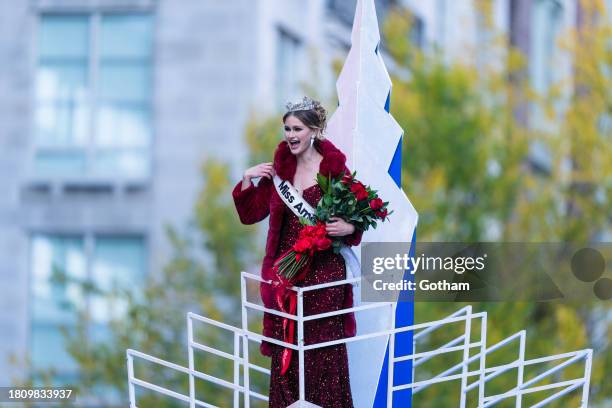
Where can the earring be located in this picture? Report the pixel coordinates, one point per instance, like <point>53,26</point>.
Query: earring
<point>312,138</point>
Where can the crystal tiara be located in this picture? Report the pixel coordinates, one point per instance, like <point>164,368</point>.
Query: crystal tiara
<point>305,104</point>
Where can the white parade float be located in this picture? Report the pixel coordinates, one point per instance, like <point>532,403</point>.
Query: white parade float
<point>472,351</point>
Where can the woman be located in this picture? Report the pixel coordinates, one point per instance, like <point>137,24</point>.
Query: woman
<point>298,158</point>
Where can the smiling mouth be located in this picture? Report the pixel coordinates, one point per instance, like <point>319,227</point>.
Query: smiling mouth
<point>294,143</point>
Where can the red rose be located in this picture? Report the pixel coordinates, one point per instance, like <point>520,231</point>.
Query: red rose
<point>347,179</point>
<point>304,233</point>
<point>382,214</point>
<point>376,204</point>
<point>320,229</point>
<point>321,244</point>
<point>308,231</point>
<point>362,195</point>
<point>359,190</point>
<point>302,245</point>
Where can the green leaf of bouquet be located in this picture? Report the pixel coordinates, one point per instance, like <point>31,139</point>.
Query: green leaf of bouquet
<point>323,182</point>
<point>305,221</point>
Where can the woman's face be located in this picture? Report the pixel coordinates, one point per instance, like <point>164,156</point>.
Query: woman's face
<point>297,135</point>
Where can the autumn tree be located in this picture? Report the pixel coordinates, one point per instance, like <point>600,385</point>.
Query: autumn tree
<point>468,172</point>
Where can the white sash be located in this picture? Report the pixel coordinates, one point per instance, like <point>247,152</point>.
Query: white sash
<point>293,200</point>
<point>301,208</point>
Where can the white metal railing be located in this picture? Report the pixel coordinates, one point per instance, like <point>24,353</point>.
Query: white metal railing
<point>486,374</point>
<point>193,345</point>
<point>463,343</point>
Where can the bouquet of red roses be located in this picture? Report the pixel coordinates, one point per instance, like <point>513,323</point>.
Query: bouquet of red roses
<point>343,197</point>
<point>351,200</point>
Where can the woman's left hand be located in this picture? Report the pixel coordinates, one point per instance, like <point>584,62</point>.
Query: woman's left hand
<point>337,227</point>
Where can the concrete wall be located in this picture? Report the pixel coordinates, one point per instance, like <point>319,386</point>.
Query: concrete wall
<point>15,89</point>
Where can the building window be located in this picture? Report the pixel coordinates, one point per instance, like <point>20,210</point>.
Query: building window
<point>48,302</point>
<point>103,260</point>
<point>93,96</point>
<point>343,10</point>
<point>289,65</point>
<point>546,23</point>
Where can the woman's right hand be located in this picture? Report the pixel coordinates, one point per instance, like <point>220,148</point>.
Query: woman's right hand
<point>259,170</point>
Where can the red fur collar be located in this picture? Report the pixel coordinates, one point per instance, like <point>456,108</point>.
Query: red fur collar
<point>333,160</point>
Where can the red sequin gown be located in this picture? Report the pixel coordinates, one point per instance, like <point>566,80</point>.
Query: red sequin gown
<point>326,369</point>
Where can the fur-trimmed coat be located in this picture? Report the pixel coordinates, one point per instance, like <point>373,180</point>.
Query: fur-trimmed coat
<point>255,203</point>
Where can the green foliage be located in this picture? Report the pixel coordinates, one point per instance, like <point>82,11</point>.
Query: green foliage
<point>462,149</point>
<point>203,277</point>
<point>323,182</point>
<point>230,242</point>
<point>339,201</point>
<point>262,136</point>
<point>467,172</point>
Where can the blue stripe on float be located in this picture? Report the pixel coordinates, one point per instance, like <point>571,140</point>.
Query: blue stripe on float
<point>395,167</point>
<point>402,372</point>
<point>388,101</point>
<point>380,400</point>
<point>404,316</point>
